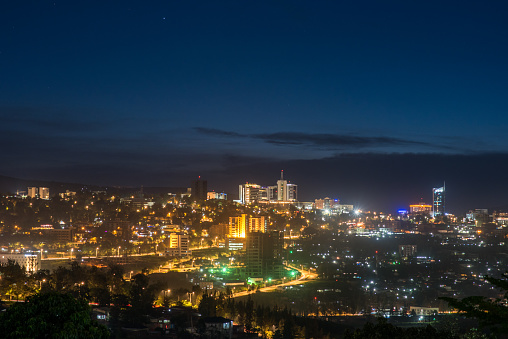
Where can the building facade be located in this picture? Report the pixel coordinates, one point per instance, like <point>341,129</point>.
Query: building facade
<point>199,189</point>
<point>238,226</point>
<point>258,224</point>
<point>248,193</point>
<point>178,245</point>
<point>264,255</point>
<point>217,196</point>
<point>44,193</point>
<point>438,198</point>
<point>31,262</point>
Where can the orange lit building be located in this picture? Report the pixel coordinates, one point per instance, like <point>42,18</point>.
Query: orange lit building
<point>420,208</point>
<point>238,226</point>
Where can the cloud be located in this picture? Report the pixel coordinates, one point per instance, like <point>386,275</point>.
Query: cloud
<point>320,140</point>
<point>218,132</point>
<point>333,140</point>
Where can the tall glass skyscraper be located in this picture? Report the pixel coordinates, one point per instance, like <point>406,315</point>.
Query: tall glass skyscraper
<point>438,198</point>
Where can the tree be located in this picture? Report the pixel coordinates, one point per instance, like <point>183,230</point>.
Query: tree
<point>249,314</point>
<point>385,330</point>
<point>141,299</point>
<point>208,306</point>
<point>491,314</point>
<point>51,315</point>
<point>13,280</point>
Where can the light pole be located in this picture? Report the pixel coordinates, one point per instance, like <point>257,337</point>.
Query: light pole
<point>118,252</point>
<point>72,250</point>
<point>130,276</point>
<point>96,252</point>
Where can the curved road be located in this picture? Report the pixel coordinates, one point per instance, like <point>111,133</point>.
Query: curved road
<point>306,276</point>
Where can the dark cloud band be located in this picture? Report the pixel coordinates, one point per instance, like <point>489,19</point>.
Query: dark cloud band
<point>324,140</point>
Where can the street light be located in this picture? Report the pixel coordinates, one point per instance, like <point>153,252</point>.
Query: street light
<point>96,252</point>
<point>118,253</point>
<point>72,250</point>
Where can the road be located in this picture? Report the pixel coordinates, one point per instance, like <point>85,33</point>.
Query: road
<point>73,257</point>
<point>306,276</point>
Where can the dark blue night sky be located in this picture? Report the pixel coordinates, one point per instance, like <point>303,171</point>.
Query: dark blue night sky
<point>372,102</point>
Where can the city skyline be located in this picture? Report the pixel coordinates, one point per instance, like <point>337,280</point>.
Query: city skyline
<point>373,103</point>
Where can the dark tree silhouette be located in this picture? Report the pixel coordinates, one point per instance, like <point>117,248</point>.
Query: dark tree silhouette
<point>492,314</point>
<point>50,315</point>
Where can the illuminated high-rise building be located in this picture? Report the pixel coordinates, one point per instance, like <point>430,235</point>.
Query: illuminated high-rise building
<point>248,193</point>
<point>285,191</point>
<point>292,192</point>
<point>282,188</point>
<point>44,193</point>
<point>179,245</point>
<point>438,201</point>
<point>263,194</point>
<point>272,192</point>
<point>257,224</point>
<point>33,192</point>
<point>238,226</point>
<point>282,192</point>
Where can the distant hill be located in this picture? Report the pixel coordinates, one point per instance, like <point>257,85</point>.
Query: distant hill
<point>11,185</point>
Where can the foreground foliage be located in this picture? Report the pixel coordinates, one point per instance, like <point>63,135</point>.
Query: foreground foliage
<point>491,314</point>
<point>50,315</point>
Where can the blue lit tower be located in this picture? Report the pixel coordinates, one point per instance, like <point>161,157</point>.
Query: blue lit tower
<point>438,201</point>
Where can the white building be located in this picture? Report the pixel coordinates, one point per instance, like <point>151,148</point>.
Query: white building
<point>248,193</point>
<point>285,190</point>
<point>30,261</point>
